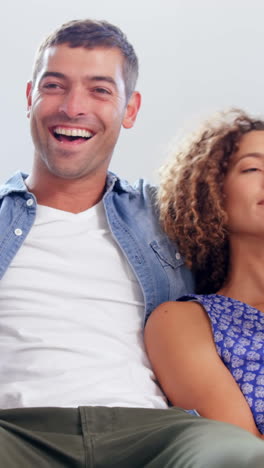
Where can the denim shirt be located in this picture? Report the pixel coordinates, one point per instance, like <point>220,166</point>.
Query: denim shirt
<point>133,221</point>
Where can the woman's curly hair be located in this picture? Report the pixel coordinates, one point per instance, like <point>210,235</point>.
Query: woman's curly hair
<point>191,195</point>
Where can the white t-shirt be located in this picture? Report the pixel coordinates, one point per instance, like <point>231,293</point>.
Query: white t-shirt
<point>71,313</point>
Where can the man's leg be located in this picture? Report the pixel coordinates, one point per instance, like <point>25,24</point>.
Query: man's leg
<point>41,438</point>
<point>146,438</point>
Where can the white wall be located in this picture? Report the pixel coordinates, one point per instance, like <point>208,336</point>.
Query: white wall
<point>196,56</point>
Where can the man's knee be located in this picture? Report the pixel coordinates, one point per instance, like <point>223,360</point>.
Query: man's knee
<point>220,445</point>
<point>202,443</point>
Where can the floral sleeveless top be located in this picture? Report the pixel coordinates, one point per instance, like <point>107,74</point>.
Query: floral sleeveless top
<point>238,331</point>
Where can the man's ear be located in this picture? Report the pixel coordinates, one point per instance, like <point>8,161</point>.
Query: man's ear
<point>132,109</point>
<point>29,97</point>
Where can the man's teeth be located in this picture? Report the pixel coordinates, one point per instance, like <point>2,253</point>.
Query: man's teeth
<point>74,132</point>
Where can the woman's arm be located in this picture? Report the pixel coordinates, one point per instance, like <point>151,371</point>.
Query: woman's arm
<point>181,348</point>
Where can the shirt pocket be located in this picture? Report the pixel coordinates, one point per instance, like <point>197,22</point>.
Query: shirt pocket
<point>167,253</point>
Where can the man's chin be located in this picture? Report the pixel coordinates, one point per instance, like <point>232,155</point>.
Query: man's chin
<point>68,174</point>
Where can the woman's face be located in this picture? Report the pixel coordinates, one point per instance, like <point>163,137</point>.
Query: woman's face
<point>244,187</point>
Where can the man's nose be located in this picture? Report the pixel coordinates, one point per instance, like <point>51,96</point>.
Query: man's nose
<point>75,103</point>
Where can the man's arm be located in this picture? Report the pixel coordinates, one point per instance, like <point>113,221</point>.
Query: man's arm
<point>180,345</point>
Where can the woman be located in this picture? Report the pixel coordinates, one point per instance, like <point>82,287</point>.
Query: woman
<point>208,349</point>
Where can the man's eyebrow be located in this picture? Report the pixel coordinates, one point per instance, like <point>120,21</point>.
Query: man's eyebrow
<point>95,78</point>
<point>107,79</point>
<point>48,74</point>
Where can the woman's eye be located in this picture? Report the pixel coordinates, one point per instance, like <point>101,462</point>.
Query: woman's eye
<point>251,169</point>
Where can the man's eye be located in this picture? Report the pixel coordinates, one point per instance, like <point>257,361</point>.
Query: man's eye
<point>51,86</point>
<point>101,91</point>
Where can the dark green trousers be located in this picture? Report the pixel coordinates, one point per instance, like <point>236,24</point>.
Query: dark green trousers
<point>98,437</point>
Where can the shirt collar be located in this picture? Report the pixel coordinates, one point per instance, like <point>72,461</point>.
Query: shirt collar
<point>16,183</point>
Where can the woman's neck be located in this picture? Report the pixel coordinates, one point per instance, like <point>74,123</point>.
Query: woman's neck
<point>245,280</point>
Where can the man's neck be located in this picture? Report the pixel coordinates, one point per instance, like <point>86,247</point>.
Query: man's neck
<point>74,196</point>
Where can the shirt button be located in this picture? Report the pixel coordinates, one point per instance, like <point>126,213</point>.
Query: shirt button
<point>178,256</point>
<point>30,202</point>
<point>18,232</point>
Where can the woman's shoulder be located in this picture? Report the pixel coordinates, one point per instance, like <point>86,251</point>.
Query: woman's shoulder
<point>214,301</point>
<point>209,298</point>
<point>173,311</point>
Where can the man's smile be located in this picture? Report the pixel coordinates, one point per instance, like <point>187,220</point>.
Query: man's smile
<point>70,134</point>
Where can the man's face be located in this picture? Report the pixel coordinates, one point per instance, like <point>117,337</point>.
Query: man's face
<point>77,107</point>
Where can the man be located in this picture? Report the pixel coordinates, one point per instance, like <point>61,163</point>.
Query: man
<point>82,257</point>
